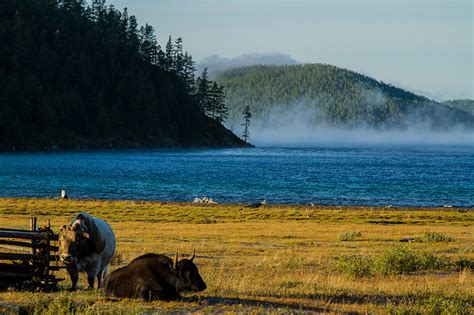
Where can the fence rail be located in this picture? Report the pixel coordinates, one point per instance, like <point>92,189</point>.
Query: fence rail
<point>29,270</point>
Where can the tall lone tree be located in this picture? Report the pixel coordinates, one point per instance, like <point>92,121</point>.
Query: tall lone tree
<point>247,115</point>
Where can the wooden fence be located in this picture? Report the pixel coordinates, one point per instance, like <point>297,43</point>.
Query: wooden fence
<point>30,263</point>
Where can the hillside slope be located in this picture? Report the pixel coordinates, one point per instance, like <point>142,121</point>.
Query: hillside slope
<point>78,77</point>
<point>465,105</point>
<point>333,96</point>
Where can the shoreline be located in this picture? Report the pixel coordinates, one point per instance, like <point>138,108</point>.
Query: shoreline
<point>241,205</point>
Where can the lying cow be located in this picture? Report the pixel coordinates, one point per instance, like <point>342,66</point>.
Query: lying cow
<point>155,277</point>
<point>88,244</point>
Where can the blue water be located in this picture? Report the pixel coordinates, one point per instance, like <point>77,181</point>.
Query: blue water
<point>399,176</point>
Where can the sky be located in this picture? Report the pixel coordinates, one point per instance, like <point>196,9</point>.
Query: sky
<point>425,46</point>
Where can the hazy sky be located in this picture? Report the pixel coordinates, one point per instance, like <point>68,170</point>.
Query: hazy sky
<point>422,45</point>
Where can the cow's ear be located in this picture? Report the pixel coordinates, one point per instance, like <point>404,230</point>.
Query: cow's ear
<point>175,262</point>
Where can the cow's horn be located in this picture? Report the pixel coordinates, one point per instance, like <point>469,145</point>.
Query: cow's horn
<point>77,224</point>
<point>194,254</point>
<point>175,263</point>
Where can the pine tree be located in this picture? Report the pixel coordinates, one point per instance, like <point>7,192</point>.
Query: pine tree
<point>132,33</point>
<point>148,44</point>
<point>218,108</point>
<point>178,58</point>
<point>169,56</point>
<point>223,111</point>
<point>202,92</point>
<point>247,115</point>
<point>212,103</point>
<point>73,5</point>
<point>189,68</point>
<point>97,9</point>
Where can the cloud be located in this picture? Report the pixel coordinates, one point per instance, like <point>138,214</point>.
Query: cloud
<point>216,63</point>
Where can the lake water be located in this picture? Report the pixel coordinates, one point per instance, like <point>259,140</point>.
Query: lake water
<point>377,175</point>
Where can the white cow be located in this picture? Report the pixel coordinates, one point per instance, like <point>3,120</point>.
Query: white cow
<point>87,245</point>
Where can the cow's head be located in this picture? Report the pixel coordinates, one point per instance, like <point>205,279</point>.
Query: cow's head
<point>72,239</point>
<point>189,278</point>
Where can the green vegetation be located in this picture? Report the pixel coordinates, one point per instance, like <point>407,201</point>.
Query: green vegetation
<point>349,236</point>
<point>436,237</point>
<point>331,95</point>
<point>356,266</point>
<point>402,260</point>
<point>466,105</point>
<point>397,261</point>
<point>87,76</point>
<point>211,98</point>
<point>431,304</point>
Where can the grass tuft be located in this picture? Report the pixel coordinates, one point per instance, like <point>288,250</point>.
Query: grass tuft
<point>349,236</point>
<point>435,237</point>
<point>397,261</point>
<point>355,266</point>
<point>402,260</point>
<point>431,304</point>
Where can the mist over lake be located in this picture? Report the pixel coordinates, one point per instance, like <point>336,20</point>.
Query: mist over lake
<point>398,175</point>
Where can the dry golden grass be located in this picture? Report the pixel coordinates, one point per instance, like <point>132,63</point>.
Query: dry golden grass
<point>275,259</point>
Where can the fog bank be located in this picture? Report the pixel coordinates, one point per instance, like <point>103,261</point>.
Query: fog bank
<point>294,135</point>
<point>303,128</point>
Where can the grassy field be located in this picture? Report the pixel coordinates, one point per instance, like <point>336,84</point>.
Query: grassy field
<point>278,259</point>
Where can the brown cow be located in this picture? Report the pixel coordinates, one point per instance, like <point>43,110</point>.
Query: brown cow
<point>155,277</point>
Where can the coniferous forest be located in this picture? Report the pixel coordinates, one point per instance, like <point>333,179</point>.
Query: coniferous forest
<point>79,76</point>
<point>326,94</point>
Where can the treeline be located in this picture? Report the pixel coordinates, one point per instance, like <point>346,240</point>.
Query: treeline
<point>77,75</point>
<point>331,95</point>
<point>465,105</point>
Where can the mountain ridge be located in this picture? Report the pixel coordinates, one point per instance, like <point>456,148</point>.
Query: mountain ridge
<point>334,96</point>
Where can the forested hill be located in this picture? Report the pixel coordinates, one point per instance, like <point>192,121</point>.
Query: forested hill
<point>80,76</point>
<point>466,105</point>
<point>333,96</point>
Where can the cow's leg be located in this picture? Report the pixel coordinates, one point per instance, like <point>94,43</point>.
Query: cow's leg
<point>99,278</point>
<point>90,280</point>
<point>92,272</point>
<point>73,274</point>
<point>146,294</point>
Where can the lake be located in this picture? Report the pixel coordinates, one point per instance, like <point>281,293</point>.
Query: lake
<point>357,175</point>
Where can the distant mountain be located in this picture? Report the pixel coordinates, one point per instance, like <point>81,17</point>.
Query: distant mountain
<point>333,96</point>
<point>216,64</point>
<point>85,77</point>
<point>466,105</point>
